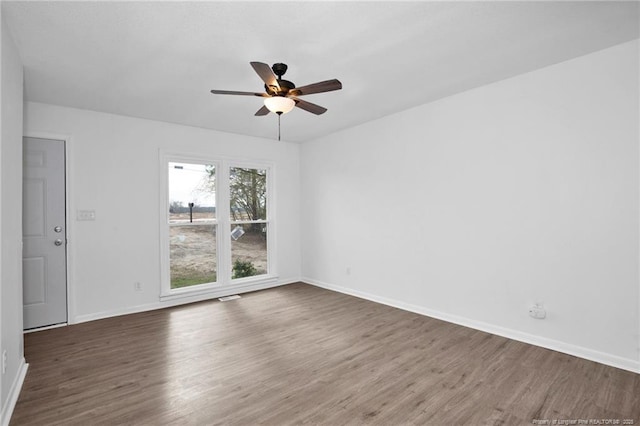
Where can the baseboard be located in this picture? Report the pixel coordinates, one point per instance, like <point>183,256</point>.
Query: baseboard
<point>49,327</point>
<point>225,291</point>
<point>578,351</point>
<point>14,393</point>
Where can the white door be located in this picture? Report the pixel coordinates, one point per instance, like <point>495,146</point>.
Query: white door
<point>44,233</point>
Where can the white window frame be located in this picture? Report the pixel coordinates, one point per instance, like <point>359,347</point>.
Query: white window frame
<point>225,284</point>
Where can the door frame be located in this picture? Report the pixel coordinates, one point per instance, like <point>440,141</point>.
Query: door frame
<point>69,223</point>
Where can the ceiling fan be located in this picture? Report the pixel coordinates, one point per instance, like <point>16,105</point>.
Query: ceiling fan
<point>282,95</point>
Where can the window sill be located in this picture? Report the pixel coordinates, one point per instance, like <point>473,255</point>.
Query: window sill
<point>212,291</point>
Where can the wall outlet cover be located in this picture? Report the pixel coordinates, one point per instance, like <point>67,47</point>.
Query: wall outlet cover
<point>537,312</point>
<point>85,215</point>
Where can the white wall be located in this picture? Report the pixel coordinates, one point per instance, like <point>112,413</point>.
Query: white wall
<point>476,206</point>
<point>470,208</point>
<point>114,170</point>
<point>11,224</point>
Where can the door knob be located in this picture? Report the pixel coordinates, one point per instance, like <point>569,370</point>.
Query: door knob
<point>58,242</point>
<point>58,229</point>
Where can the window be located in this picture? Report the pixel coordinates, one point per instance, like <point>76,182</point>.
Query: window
<point>192,224</point>
<point>216,224</point>
<point>249,225</point>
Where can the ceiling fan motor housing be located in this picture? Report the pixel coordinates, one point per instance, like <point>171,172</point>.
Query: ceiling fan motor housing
<point>279,69</point>
<point>285,86</point>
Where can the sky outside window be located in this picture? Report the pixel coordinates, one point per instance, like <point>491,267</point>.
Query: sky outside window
<point>190,183</point>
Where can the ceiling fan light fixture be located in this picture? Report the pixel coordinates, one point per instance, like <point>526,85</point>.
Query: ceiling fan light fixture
<point>279,104</point>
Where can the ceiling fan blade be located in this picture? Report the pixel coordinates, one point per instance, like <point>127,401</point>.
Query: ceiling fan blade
<point>262,111</point>
<point>308,106</point>
<point>266,74</point>
<point>320,87</point>
<point>233,92</point>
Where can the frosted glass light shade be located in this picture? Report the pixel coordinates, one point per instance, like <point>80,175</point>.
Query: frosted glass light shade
<point>279,104</point>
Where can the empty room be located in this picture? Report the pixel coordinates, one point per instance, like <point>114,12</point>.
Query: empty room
<point>321,213</point>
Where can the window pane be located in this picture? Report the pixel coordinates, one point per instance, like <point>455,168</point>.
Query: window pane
<point>249,250</point>
<point>192,254</point>
<point>248,194</point>
<point>192,192</point>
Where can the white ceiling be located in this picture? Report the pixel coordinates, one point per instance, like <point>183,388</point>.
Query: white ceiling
<point>158,60</point>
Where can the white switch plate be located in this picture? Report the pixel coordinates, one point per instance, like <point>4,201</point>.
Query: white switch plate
<point>85,215</point>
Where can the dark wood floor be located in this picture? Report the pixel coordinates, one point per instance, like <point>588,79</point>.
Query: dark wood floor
<point>302,355</point>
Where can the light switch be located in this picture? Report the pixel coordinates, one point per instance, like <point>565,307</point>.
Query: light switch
<point>85,215</point>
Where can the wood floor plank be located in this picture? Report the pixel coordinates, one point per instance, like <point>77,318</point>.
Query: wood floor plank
<point>302,355</point>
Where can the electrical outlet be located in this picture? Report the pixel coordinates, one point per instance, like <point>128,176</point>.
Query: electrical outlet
<point>537,311</point>
<point>137,286</point>
<point>4,361</point>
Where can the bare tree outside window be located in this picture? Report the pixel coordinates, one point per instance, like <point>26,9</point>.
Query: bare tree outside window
<point>248,192</point>
<point>248,210</point>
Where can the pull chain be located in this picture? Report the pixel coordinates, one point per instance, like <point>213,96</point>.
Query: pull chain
<point>279,114</point>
